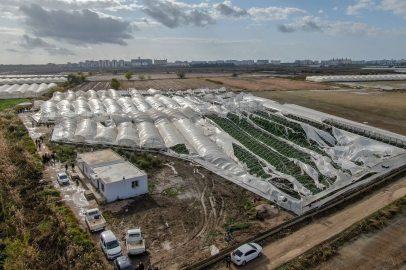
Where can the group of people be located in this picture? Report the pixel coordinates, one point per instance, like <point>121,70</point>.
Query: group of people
<point>48,158</point>
<point>141,267</point>
<point>38,142</point>
<point>24,110</point>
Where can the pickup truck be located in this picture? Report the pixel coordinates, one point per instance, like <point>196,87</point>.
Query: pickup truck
<point>95,220</point>
<point>134,242</point>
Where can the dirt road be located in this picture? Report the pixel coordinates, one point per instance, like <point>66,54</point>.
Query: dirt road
<point>367,253</point>
<point>299,242</point>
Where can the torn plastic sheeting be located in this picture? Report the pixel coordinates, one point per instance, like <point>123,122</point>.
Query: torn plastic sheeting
<point>57,97</point>
<point>126,104</point>
<point>111,105</point>
<point>189,113</point>
<point>48,108</point>
<point>70,96</point>
<point>105,134</point>
<point>220,110</point>
<point>174,115</point>
<point>134,92</point>
<point>324,166</point>
<point>127,135</point>
<point>348,165</point>
<point>64,129</point>
<point>153,91</point>
<point>169,102</point>
<point>206,148</point>
<point>310,172</point>
<point>97,107</point>
<point>119,118</point>
<point>183,101</point>
<point>157,116</point>
<point>155,103</point>
<point>169,134</point>
<point>85,131</point>
<point>91,94</point>
<point>141,104</point>
<point>140,117</point>
<point>311,134</point>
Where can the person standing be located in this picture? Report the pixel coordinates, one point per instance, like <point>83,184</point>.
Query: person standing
<point>73,166</point>
<point>66,167</point>
<point>141,266</point>
<point>228,260</point>
<point>149,268</point>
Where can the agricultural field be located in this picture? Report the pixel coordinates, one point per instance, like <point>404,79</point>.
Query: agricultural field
<point>155,76</point>
<point>263,83</point>
<point>165,85</point>
<point>381,109</point>
<point>8,103</point>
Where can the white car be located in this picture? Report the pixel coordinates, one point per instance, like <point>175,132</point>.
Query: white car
<point>110,245</point>
<point>246,253</point>
<point>62,178</point>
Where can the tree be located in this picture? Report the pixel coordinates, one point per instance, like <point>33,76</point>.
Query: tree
<point>115,84</point>
<point>149,77</point>
<point>141,77</point>
<point>181,74</point>
<point>90,73</point>
<point>235,74</point>
<point>115,72</point>
<point>128,75</point>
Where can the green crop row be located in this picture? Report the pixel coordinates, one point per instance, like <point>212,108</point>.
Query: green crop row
<point>180,149</point>
<point>254,165</point>
<point>318,125</point>
<point>281,163</point>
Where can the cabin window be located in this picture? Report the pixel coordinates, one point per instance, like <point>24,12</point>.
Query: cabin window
<point>102,185</point>
<point>134,184</point>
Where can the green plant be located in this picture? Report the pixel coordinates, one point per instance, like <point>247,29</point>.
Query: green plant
<point>181,74</point>
<point>128,75</point>
<point>171,192</point>
<point>115,84</point>
<point>216,82</point>
<point>141,77</point>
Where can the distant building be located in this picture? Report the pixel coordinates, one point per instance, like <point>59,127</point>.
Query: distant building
<point>114,63</point>
<point>121,63</point>
<point>275,62</point>
<point>141,62</point>
<point>198,62</point>
<point>163,62</point>
<point>262,62</point>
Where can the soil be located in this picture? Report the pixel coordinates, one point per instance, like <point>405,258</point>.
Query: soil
<point>366,252</point>
<point>154,76</point>
<point>167,84</point>
<point>269,83</point>
<point>381,109</point>
<point>297,243</point>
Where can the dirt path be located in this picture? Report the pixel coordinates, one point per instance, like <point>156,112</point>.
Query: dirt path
<point>299,242</point>
<point>367,253</point>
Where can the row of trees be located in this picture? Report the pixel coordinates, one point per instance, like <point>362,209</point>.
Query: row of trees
<point>115,84</point>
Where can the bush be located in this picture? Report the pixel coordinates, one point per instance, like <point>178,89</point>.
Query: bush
<point>141,77</point>
<point>181,74</point>
<point>128,75</point>
<point>115,84</point>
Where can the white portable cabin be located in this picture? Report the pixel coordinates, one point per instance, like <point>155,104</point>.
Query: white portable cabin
<point>112,175</point>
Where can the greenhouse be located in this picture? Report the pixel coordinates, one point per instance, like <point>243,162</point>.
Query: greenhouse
<point>357,78</point>
<point>24,90</point>
<point>297,157</point>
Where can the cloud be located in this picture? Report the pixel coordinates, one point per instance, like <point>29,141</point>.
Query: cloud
<point>321,11</point>
<point>362,4</point>
<point>273,13</point>
<point>12,50</point>
<point>68,4</point>
<point>33,43</point>
<point>172,15</point>
<point>397,6</point>
<point>335,8</point>
<point>225,9</point>
<point>77,27</point>
<point>335,28</point>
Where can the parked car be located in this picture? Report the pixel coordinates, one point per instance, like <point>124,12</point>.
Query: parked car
<point>110,245</point>
<point>246,253</point>
<point>123,263</point>
<point>62,178</point>
<point>134,242</point>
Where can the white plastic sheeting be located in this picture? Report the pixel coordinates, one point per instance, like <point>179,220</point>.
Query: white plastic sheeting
<point>82,108</point>
<point>126,104</point>
<point>111,106</point>
<point>169,102</point>
<point>105,135</point>
<point>24,90</point>
<point>65,108</point>
<point>113,94</point>
<point>155,103</point>
<point>86,130</point>
<point>147,132</point>
<point>357,78</point>
<point>141,104</point>
<point>64,130</point>
<point>127,135</point>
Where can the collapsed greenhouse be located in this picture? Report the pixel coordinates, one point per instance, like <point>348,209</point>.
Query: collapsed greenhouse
<point>293,156</point>
<point>357,78</point>
<point>29,80</point>
<point>24,90</point>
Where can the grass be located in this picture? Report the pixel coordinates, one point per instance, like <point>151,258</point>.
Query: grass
<point>213,81</point>
<point>171,192</point>
<point>329,248</point>
<point>8,103</point>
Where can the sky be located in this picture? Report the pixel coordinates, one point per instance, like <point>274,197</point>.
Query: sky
<point>60,31</point>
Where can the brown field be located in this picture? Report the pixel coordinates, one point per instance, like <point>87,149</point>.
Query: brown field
<point>269,83</point>
<point>155,76</point>
<point>380,109</point>
<point>167,84</point>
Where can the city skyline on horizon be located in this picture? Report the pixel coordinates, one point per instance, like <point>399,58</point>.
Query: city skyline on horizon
<point>37,31</point>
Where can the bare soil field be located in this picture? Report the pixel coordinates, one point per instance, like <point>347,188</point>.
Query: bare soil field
<point>381,109</point>
<point>269,83</point>
<point>179,228</point>
<point>155,76</point>
<point>166,84</point>
<point>367,252</point>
